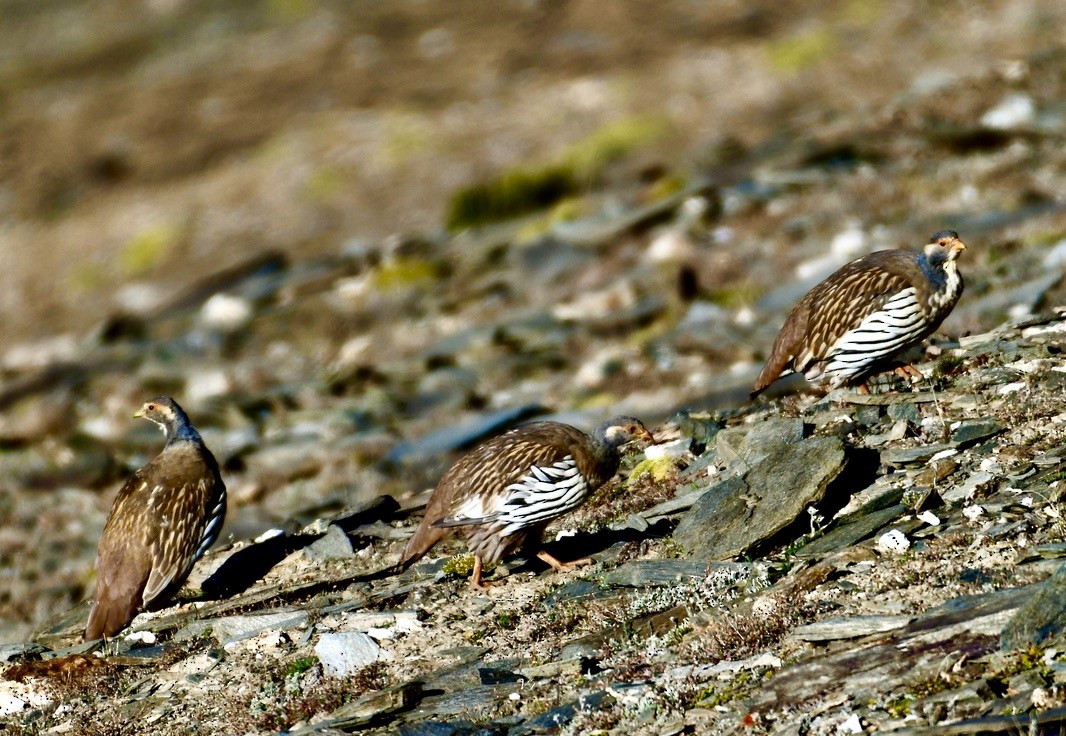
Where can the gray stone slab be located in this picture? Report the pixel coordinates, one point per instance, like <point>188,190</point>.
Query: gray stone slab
<point>737,514</point>
<point>853,627</point>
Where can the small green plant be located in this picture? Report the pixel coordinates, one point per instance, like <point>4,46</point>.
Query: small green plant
<point>299,666</point>
<point>506,620</point>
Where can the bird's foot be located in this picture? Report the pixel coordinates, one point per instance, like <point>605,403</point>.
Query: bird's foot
<point>564,566</point>
<point>909,373</point>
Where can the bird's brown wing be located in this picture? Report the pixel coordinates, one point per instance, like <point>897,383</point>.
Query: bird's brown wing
<point>833,307</point>
<point>122,565</point>
<point>149,542</point>
<point>182,508</point>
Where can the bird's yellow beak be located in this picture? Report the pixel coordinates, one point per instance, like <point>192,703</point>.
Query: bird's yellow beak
<point>138,414</point>
<point>648,436</point>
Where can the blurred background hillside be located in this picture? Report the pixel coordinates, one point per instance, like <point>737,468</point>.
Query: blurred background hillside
<point>350,236</point>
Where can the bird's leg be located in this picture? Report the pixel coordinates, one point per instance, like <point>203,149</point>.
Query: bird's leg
<point>475,577</point>
<point>564,566</point>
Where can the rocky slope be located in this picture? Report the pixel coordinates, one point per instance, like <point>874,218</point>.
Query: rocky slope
<point>885,561</point>
<point>808,564</point>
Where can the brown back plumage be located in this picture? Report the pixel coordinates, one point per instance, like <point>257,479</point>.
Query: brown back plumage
<point>154,534</point>
<point>839,304</point>
<point>492,466</point>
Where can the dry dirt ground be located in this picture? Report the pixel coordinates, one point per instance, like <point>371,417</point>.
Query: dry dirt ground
<point>143,142</point>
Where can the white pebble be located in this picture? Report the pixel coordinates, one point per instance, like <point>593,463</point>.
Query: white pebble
<point>972,512</point>
<point>674,448</point>
<point>1013,111</point>
<point>893,541</point>
<point>226,313</point>
<point>143,637</point>
<point>269,534</point>
<point>851,725</point>
<point>929,518</point>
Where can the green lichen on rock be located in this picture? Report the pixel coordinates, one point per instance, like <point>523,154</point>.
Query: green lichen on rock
<point>462,565</point>
<point>660,469</point>
<point>148,248</point>
<point>530,188</point>
<point>513,193</point>
<point>402,272</point>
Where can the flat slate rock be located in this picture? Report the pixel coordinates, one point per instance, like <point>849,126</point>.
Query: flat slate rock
<point>748,444</point>
<point>1041,617</point>
<point>367,709</point>
<point>848,534</point>
<point>854,627</point>
<point>912,455</point>
<point>655,573</point>
<point>737,514</point>
<point>553,720</point>
<point>230,629</point>
<point>971,432</point>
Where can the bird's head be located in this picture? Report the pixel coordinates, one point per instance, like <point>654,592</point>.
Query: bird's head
<point>945,246</point>
<point>165,412</point>
<point>620,430</point>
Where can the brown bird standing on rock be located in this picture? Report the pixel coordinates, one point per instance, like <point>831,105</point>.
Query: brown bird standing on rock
<point>872,310</point>
<point>164,519</point>
<point>504,493</point>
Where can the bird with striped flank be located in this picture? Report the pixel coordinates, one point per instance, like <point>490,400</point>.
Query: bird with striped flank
<point>503,494</point>
<point>860,319</point>
<point>165,517</point>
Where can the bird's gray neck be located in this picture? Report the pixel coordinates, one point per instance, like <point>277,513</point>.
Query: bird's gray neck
<point>180,429</point>
<point>606,447</point>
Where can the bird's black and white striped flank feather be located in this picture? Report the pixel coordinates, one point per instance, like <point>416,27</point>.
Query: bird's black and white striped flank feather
<point>868,312</point>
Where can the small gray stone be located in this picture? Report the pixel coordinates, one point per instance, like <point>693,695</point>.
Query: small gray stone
<point>904,412</point>
<point>343,653</point>
<point>971,432</point>
<point>333,545</point>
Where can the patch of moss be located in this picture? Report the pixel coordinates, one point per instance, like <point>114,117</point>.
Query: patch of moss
<point>900,707</point>
<point>463,565</point>
<point>566,210</point>
<point>506,620</point>
<point>407,135</point>
<point>323,184</point>
<point>801,51</point>
<point>146,250</point>
<point>666,186</point>
<point>590,155</point>
<point>736,295</point>
<point>289,9</point>
<point>402,272</point>
<point>527,188</point>
<point>660,469</point>
<point>513,193</point>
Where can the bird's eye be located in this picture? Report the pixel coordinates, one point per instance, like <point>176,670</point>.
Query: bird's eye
<point>151,407</point>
